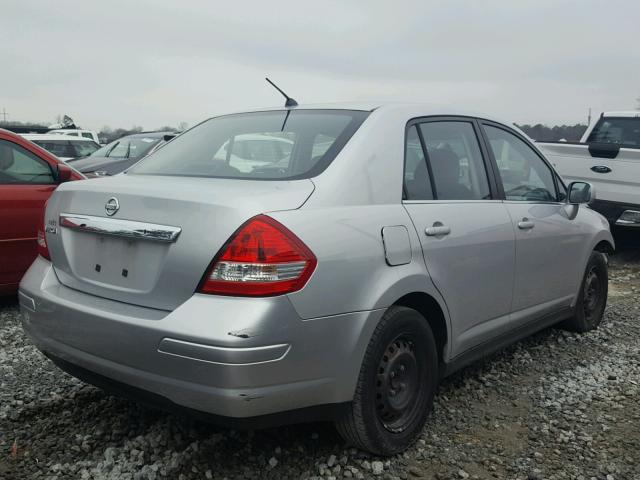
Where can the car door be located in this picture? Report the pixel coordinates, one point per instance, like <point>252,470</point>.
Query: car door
<point>26,182</point>
<point>465,230</point>
<point>548,237</point>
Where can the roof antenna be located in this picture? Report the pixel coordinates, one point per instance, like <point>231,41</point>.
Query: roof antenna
<point>290,101</point>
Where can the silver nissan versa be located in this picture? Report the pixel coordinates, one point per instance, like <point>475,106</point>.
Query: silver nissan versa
<point>314,263</point>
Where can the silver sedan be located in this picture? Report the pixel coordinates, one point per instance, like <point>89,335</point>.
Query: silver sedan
<point>314,262</point>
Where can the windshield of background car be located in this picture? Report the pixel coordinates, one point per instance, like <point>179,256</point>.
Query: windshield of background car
<point>83,149</point>
<point>621,131</point>
<point>135,147</point>
<point>285,144</point>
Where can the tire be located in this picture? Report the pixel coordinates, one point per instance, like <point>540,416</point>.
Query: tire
<point>592,298</point>
<point>396,385</point>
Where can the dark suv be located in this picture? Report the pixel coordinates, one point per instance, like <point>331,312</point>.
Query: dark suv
<point>121,154</point>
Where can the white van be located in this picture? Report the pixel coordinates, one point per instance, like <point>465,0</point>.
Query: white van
<point>76,133</point>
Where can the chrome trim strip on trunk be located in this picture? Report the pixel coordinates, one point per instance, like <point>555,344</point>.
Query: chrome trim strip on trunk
<point>120,228</point>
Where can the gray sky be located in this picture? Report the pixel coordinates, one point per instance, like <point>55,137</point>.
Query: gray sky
<point>155,63</point>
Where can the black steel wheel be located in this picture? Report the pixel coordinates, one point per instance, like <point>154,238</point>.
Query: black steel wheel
<point>592,294</point>
<point>592,298</point>
<point>396,385</point>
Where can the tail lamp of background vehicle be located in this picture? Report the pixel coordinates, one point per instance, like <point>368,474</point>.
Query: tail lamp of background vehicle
<point>43,249</point>
<point>262,258</point>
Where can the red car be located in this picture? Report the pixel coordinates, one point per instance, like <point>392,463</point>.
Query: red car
<point>28,176</point>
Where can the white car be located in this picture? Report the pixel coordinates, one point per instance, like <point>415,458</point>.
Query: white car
<point>250,151</point>
<point>607,156</point>
<point>64,147</point>
<point>75,132</point>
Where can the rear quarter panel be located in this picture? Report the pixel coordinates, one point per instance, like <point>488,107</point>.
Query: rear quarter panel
<point>352,273</point>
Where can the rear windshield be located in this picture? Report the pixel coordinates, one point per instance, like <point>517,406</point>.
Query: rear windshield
<point>623,131</point>
<point>68,147</point>
<point>257,146</point>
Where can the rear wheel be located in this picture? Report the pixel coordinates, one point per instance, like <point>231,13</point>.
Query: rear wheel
<point>396,385</point>
<point>592,298</point>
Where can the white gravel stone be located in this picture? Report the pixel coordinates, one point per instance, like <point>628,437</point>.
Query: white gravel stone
<point>377,468</point>
<point>565,406</point>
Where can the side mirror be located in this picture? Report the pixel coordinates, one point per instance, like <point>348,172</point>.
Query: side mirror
<point>581,192</point>
<point>64,173</point>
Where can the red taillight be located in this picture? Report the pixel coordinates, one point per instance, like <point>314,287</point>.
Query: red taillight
<point>43,249</point>
<point>262,258</point>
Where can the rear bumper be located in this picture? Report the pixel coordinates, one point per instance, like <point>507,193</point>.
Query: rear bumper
<point>617,213</point>
<point>8,289</point>
<point>302,415</point>
<point>229,357</point>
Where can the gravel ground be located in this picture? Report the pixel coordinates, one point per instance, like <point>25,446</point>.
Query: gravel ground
<point>554,406</point>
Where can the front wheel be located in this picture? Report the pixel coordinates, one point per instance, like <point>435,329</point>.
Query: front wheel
<point>592,298</point>
<point>396,385</point>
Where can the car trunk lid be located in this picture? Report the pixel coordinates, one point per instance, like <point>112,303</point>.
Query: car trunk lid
<point>153,249</point>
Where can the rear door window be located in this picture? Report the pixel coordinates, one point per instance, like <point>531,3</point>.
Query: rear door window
<point>455,160</point>
<point>417,182</point>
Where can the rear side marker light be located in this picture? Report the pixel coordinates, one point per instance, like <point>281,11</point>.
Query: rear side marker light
<point>262,258</point>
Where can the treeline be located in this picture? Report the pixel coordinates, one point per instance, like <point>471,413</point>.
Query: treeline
<point>106,134</point>
<point>542,133</point>
<point>18,122</point>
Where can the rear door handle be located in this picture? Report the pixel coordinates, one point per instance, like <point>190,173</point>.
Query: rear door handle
<point>600,169</point>
<point>526,224</point>
<point>437,230</point>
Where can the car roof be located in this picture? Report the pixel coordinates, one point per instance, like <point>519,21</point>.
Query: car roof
<point>147,135</point>
<point>70,130</point>
<point>622,113</point>
<point>53,136</point>
<point>411,109</point>
<point>363,106</point>
<point>258,136</point>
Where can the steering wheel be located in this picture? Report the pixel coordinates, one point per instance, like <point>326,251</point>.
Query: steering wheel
<point>530,193</point>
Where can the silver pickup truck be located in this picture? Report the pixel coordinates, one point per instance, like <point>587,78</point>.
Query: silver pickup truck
<point>608,157</point>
